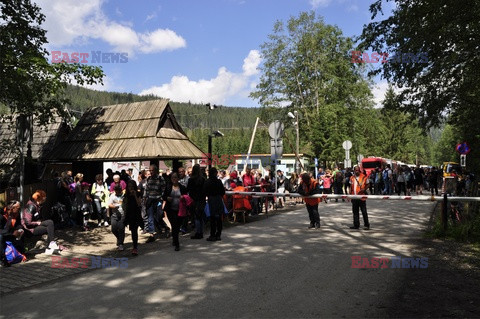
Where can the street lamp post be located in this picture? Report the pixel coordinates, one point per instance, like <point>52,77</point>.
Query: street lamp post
<point>210,136</point>
<point>295,116</point>
<point>211,107</point>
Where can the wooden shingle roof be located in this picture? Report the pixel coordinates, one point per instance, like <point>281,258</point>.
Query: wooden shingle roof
<point>43,142</point>
<point>133,131</point>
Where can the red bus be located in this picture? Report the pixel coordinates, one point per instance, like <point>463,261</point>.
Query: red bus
<point>369,164</point>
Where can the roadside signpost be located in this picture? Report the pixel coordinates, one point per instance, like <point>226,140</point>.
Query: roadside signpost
<point>347,145</point>
<point>275,130</point>
<point>463,149</point>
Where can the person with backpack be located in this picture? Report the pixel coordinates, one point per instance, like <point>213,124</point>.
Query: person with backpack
<point>409,178</point>
<point>387,180</point>
<point>346,184</point>
<point>64,195</point>
<point>11,230</point>
<point>378,181</point>
<point>87,207</point>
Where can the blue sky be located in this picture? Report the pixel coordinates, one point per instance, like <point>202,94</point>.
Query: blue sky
<point>196,50</point>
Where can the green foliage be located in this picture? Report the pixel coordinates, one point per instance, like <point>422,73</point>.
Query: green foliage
<point>444,149</point>
<point>30,85</point>
<point>401,137</point>
<point>306,66</point>
<point>466,231</point>
<point>82,99</point>
<point>447,31</point>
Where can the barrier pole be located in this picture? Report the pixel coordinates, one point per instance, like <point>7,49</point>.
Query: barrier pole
<point>369,197</point>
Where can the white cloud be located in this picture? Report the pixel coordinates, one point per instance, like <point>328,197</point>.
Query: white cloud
<point>379,90</point>
<point>70,22</point>
<point>106,86</point>
<point>319,3</point>
<point>251,63</point>
<point>353,8</point>
<point>151,16</point>
<point>216,90</point>
<point>161,40</point>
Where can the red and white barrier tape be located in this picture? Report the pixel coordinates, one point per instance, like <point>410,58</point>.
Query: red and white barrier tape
<point>371,197</point>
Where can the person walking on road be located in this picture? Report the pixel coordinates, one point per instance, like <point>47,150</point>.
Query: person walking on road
<point>197,193</point>
<point>214,190</point>
<point>171,206</point>
<point>133,212</point>
<point>154,188</point>
<point>359,184</point>
<point>117,215</point>
<point>309,186</point>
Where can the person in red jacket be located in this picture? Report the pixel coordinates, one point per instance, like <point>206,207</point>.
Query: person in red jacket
<point>358,186</point>
<point>309,186</point>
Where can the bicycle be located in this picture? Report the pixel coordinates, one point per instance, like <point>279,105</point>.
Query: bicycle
<point>455,212</point>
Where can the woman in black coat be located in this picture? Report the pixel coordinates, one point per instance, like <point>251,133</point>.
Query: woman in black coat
<point>214,190</point>
<point>133,212</point>
<point>171,205</point>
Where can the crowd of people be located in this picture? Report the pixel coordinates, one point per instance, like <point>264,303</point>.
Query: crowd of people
<point>165,204</point>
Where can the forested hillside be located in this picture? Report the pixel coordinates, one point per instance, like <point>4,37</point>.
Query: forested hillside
<point>386,133</point>
<point>190,116</point>
<point>236,123</point>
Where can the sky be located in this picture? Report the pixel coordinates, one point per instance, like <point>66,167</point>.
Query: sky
<point>202,51</point>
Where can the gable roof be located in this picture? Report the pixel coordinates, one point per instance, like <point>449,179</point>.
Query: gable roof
<point>132,131</point>
<point>44,138</point>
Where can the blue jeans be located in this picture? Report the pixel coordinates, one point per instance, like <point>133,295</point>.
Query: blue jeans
<point>151,213</point>
<point>388,188</point>
<point>199,213</point>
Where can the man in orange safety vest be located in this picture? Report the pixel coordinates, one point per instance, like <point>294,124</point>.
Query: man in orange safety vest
<point>358,186</point>
<point>309,186</point>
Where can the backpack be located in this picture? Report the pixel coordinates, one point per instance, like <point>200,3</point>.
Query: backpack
<point>385,175</point>
<point>287,185</point>
<point>12,255</point>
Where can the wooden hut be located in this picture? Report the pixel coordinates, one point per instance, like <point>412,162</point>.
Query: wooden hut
<point>125,132</point>
<point>37,147</point>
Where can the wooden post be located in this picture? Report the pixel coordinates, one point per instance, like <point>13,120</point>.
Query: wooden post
<point>251,144</point>
<point>445,212</point>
